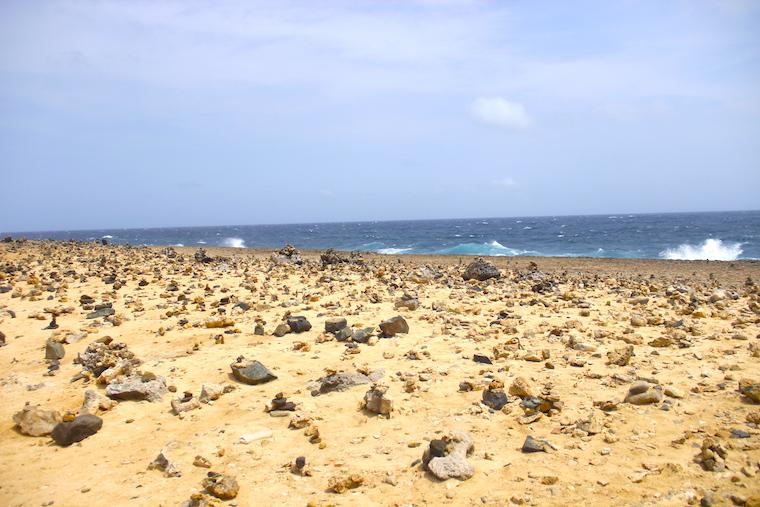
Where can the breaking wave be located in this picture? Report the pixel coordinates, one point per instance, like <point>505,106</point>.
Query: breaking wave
<point>711,249</point>
<point>393,251</point>
<point>233,242</point>
<point>492,248</point>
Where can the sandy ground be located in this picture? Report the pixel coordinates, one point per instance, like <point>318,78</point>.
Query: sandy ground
<point>568,312</point>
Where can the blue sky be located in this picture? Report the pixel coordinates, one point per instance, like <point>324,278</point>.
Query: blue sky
<point>159,113</point>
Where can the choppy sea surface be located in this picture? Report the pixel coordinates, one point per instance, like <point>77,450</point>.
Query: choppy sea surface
<point>687,236</point>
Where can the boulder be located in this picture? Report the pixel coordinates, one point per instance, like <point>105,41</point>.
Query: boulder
<point>251,372</point>
<point>83,426</point>
<point>480,270</point>
<point>446,458</point>
<point>137,388</point>
<point>298,324</point>
<point>36,422</point>
<point>393,326</point>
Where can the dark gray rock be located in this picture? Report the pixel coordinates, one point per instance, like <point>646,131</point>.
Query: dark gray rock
<point>251,372</point>
<point>335,324</point>
<point>101,312</point>
<point>393,326</point>
<point>533,445</point>
<point>344,334</point>
<point>481,359</point>
<point>362,335</point>
<point>83,426</point>
<point>495,398</point>
<point>342,381</point>
<point>298,324</point>
<point>480,270</point>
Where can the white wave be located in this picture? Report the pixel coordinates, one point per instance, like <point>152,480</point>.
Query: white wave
<point>393,251</point>
<point>201,242</point>
<point>179,244</point>
<point>107,236</point>
<point>233,243</point>
<point>711,249</point>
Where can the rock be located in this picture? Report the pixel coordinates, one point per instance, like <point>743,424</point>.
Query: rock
<point>346,333</point>
<point>341,381</point>
<point>424,274</point>
<point>478,358</point>
<point>2,339</point>
<point>281,330</point>
<point>256,435</point>
<point>446,458</point>
<point>288,255</point>
<point>54,350</point>
<point>185,404</point>
<point>298,324</point>
<point>163,464</point>
<point>480,270</point>
<point>218,323</point>
<point>407,301</point>
<point>99,356</point>
<point>534,445</point>
<point>101,312</point>
<point>750,389</point>
<point>138,388</point>
<point>638,321</point>
<point>621,356</point>
<point>341,484</point>
<point>280,406</point>
<point>378,401</point>
<point>335,324</point>
<point>393,326</point>
<point>712,455</point>
<point>674,392</point>
<point>83,426</point>
<point>222,486</point>
<point>331,257</point>
<point>495,398</point>
<point>201,462</point>
<point>36,422</point>
<point>641,393</point>
<point>520,388</point>
<point>251,372</point>
<point>200,256</point>
<point>212,392</point>
<point>94,401</point>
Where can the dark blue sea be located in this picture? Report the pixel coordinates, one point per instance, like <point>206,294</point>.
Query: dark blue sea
<point>715,236</point>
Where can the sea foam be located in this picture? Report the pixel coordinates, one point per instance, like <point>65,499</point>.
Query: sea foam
<point>492,248</point>
<point>711,249</point>
<point>393,251</point>
<point>233,242</point>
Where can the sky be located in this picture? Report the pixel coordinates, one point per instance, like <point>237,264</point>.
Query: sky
<point>188,113</point>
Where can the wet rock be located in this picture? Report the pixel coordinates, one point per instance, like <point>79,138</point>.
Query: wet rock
<point>83,426</point>
<point>480,270</point>
<point>94,402</point>
<point>165,465</point>
<point>393,326</point>
<point>378,401</point>
<point>137,388</point>
<point>341,484</point>
<point>54,350</point>
<point>298,324</point>
<point>335,324</point>
<point>36,422</point>
<point>621,356</point>
<point>222,486</point>
<point>642,393</point>
<point>446,458</point>
<point>251,372</point>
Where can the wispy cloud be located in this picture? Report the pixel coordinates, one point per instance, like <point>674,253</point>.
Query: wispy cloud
<point>505,182</point>
<point>500,112</point>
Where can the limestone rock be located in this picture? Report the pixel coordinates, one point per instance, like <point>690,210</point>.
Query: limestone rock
<point>94,401</point>
<point>165,465</point>
<point>621,356</point>
<point>341,484</point>
<point>138,388</point>
<point>446,458</point>
<point>36,422</point>
<point>222,486</point>
<point>378,401</point>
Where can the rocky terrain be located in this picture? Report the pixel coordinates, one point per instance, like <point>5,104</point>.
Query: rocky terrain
<point>163,376</point>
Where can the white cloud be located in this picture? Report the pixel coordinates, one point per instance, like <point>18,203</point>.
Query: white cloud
<point>504,182</point>
<point>500,112</point>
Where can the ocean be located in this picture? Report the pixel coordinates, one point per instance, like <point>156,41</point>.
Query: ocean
<point>687,236</point>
